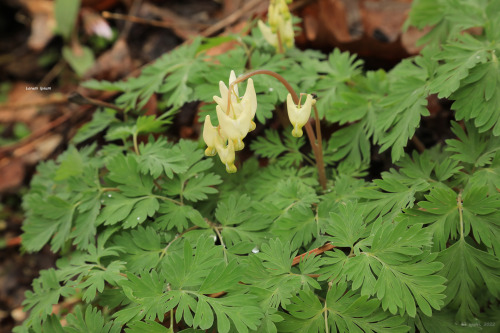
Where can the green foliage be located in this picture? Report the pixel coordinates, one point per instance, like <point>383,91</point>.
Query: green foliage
<point>343,311</point>
<point>80,60</point>
<point>154,237</point>
<point>66,13</point>
<point>273,147</point>
<point>171,75</point>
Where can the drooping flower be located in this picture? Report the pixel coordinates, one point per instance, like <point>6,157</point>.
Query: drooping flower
<point>227,156</point>
<point>222,100</point>
<point>237,104</point>
<point>299,115</point>
<point>235,129</point>
<point>211,136</point>
<point>241,111</point>
<point>235,121</point>
<point>280,29</point>
<point>269,36</point>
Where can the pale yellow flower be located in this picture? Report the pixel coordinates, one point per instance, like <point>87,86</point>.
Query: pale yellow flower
<point>211,136</point>
<point>280,21</point>
<point>222,100</point>
<point>269,36</point>
<point>227,156</point>
<point>299,115</point>
<point>234,129</point>
<point>234,124</point>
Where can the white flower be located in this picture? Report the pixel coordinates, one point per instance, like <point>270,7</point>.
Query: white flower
<point>227,156</point>
<point>299,116</point>
<point>211,136</point>
<point>280,22</point>
<point>234,129</point>
<point>235,121</point>
<point>268,35</point>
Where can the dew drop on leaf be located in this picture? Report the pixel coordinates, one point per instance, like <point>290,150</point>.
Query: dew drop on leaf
<point>255,249</point>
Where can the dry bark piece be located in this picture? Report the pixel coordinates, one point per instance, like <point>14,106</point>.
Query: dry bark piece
<point>383,19</point>
<point>100,4</point>
<point>112,64</point>
<point>341,18</point>
<point>43,24</point>
<point>12,173</point>
<point>410,37</point>
<point>369,28</point>
<point>20,93</point>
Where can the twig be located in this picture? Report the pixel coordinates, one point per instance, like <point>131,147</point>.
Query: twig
<point>34,135</point>
<point>79,99</point>
<point>155,23</point>
<point>128,24</point>
<point>49,101</point>
<point>418,144</point>
<point>14,241</point>
<point>316,251</point>
<point>230,19</point>
<point>135,19</point>
<point>51,75</point>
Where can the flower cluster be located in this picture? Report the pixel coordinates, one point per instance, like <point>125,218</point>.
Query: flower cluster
<point>235,121</point>
<point>235,116</point>
<point>280,29</point>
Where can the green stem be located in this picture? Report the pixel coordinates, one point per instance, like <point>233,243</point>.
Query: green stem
<point>316,146</point>
<point>164,251</point>
<point>221,242</point>
<point>325,310</point>
<point>319,157</point>
<point>460,212</point>
<point>306,158</point>
<point>109,189</point>
<point>136,146</point>
<point>168,199</point>
<point>172,320</point>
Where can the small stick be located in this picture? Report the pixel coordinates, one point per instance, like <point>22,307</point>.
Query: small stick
<point>316,251</point>
<point>49,101</point>
<point>418,144</point>
<point>38,133</point>
<point>79,99</point>
<point>230,19</point>
<point>135,19</point>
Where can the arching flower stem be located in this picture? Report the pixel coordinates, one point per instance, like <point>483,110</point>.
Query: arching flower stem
<point>316,144</point>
